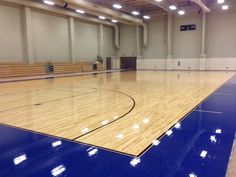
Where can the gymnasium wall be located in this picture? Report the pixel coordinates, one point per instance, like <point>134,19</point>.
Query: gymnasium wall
<point>50,37</point>
<point>108,45</point>
<point>157,41</point>
<point>128,44</point>
<point>86,41</point>
<point>220,43</point>
<point>51,40</point>
<point>11,35</point>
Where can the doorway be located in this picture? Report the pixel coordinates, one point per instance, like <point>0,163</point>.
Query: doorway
<point>128,63</point>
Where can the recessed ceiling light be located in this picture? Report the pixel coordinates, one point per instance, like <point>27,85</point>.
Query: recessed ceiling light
<point>220,1</point>
<point>49,2</point>
<point>158,0</point>
<point>146,17</point>
<point>225,7</point>
<point>114,21</point>
<point>135,12</point>
<point>172,7</point>
<point>80,11</point>
<point>181,12</point>
<point>117,6</point>
<point>102,17</point>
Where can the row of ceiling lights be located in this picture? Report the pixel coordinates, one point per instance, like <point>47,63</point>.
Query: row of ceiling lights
<point>224,6</point>
<point>137,13</point>
<point>80,11</point>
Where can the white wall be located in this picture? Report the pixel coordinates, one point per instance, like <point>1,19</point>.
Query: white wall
<point>220,43</point>
<point>86,41</point>
<point>11,34</point>
<point>128,40</point>
<point>221,32</point>
<point>50,37</point>
<point>51,40</point>
<point>157,44</point>
<point>187,44</point>
<point>108,42</point>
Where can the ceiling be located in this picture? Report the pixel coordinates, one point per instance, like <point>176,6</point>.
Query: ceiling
<point>148,7</point>
<point>143,6</point>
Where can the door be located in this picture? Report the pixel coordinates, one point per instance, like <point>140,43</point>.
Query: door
<point>108,63</point>
<point>128,63</point>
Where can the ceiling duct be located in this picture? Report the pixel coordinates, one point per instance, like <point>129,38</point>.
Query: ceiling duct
<point>202,5</point>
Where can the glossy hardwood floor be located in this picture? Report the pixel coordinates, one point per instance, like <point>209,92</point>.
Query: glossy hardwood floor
<point>120,111</point>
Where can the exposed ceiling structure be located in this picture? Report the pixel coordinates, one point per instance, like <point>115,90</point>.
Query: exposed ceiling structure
<point>157,7</point>
<point>134,12</point>
<point>142,6</point>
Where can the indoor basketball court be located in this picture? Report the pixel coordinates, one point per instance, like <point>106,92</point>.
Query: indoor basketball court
<point>123,88</point>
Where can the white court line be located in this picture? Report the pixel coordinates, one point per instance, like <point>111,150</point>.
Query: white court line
<point>213,112</point>
<point>227,94</point>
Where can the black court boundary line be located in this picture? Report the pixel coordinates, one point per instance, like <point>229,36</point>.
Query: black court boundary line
<point>184,117</point>
<point>37,104</point>
<point>64,139</point>
<point>134,104</point>
<point>74,139</point>
<point>111,150</point>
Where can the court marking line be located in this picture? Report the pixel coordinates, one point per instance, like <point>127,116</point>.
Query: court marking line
<point>74,139</point>
<point>225,94</point>
<point>206,111</point>
<point>66,139</point>
<point>111,150</point>
<point>184,117</point>
<point>133,106</point>
<point>95,90</point>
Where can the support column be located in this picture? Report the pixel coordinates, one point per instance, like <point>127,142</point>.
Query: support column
<point>28,36</point>
<point>202,64</point>
<point>72,39</point>
<point>169,42</point>
<point>138,44</point>
<point>101,44</point>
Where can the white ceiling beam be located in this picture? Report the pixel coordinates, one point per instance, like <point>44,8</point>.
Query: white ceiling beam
<point>159,4</point>
<point>202,5</point>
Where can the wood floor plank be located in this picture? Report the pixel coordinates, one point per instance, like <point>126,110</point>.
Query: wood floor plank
<point>71,107</point>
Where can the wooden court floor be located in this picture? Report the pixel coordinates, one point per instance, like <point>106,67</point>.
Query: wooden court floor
<point>123,111</point>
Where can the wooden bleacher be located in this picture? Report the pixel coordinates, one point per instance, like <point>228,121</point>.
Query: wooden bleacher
<point>22,69</point>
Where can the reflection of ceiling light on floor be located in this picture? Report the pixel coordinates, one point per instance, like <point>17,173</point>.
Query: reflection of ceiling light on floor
<point>213,139</point>
<point>120,136</point>
<point>85,130</point>
<point>169,132</point>
<point>155,142</point>
<point>136,126</point>
<point>203,154</point>
<point>192,175</point>
<point>58,170</point>
<point>56,143</point>
<point>146,120</point>
<point>115,117</point>
<point>218,131</point>
<point>134,162</point>
<point>105,122</point>
<point>20,159</point>
<point>178,126</point>
<point>92,152</point>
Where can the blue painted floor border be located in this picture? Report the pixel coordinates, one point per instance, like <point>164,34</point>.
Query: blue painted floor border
<point>198,146</point>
